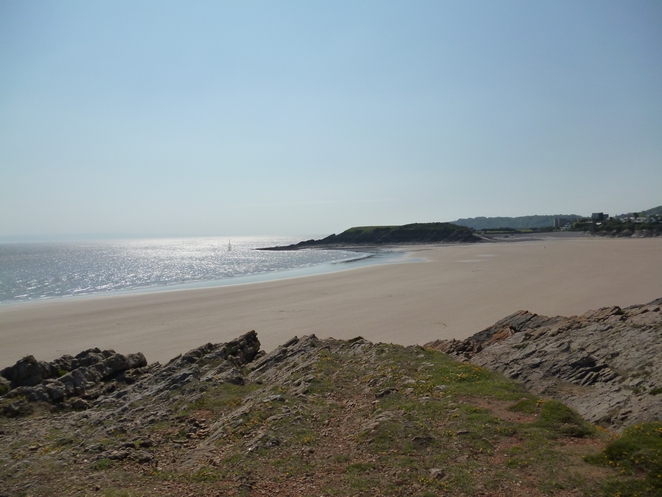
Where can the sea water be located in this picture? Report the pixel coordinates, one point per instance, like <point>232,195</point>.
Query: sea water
<point>49,270</point>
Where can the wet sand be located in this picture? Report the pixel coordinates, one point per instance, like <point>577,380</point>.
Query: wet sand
<point>458,291</point>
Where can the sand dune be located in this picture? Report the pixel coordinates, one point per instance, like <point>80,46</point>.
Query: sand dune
<point>456,292</point>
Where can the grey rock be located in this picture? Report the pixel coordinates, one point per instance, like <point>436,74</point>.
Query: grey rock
<point>602,363</point>
<point>437,473</point>
<point>18,408</point>
<point>5,385</point>
<point>275,398</point>
<point>40,381</point>
<point>384,392</point>
<point>233,376</point>
<point>80,404</point>
<point>115,455</point>
<point>27,372</point>
<point>142,456</point>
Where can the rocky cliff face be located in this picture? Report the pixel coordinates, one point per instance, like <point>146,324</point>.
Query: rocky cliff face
<point>606,364</point>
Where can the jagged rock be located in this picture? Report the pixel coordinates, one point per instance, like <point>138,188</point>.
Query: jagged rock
<point>437,473</point>
<point>55,390</point>
<point>182,418</point>
<point>37,381</point>
<point>589,362</point>
<point>5,385</point>
<point>275,398</point>
<point>233,376</point>
<point>20,407</point>
<point>142,456</point>
<point>115,455</point>
<point>384,393</point>
<point>28,372</point>
<point>80,404</point>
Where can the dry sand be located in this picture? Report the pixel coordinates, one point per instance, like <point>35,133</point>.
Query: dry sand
<point>458,291</point>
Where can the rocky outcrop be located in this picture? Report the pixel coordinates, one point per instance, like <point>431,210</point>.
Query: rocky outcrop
<point>605,364</point>
<point>29,372</point>
<point>67,376</point>
<point>313,414</point>
<point>81,381</point>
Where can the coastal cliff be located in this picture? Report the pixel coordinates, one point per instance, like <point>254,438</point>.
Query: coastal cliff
<point>347,417</point>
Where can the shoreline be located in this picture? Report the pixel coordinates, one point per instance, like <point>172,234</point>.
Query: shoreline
<point>457,291</point>
<point>364,259</point>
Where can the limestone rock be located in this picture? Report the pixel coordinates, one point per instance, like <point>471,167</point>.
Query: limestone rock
<point>605,363</point>
<point>68,376</point>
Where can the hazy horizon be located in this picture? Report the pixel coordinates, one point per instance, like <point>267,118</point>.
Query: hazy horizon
<point>153,119</point>
<point>82,237</point>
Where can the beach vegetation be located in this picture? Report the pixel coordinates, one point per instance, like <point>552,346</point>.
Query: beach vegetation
<point>636,454</point>
<point>103,464</point>
<point>557,417</point>
<point>528,405</point>
<point>354,417</point>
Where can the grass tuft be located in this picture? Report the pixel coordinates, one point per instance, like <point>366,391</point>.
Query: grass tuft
<point>558,417</point>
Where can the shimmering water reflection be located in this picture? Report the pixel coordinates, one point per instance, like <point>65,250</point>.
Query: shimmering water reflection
<point>33,271</point>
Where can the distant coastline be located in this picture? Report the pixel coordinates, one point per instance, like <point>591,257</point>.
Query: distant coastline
<point>372,237</point>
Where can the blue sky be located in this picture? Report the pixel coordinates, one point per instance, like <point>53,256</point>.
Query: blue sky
<point>288,117</point>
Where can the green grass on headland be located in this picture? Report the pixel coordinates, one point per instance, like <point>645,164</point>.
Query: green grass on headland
<point>637,454</point>
<point>342,418</point>
<point>409,233</point>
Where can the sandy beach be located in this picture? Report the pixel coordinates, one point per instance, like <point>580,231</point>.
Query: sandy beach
<point>457,291</point>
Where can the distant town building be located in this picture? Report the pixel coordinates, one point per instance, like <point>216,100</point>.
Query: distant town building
<point>599,216</point>
<point>560,222</point>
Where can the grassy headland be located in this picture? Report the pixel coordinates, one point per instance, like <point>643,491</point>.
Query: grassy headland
<point>383,235</point>
<point>313,417</point>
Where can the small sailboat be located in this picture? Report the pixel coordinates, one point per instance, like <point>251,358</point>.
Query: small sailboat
<point>229,246</point>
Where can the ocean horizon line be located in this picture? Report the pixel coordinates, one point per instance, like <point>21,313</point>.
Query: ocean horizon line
<point>63,237</point>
